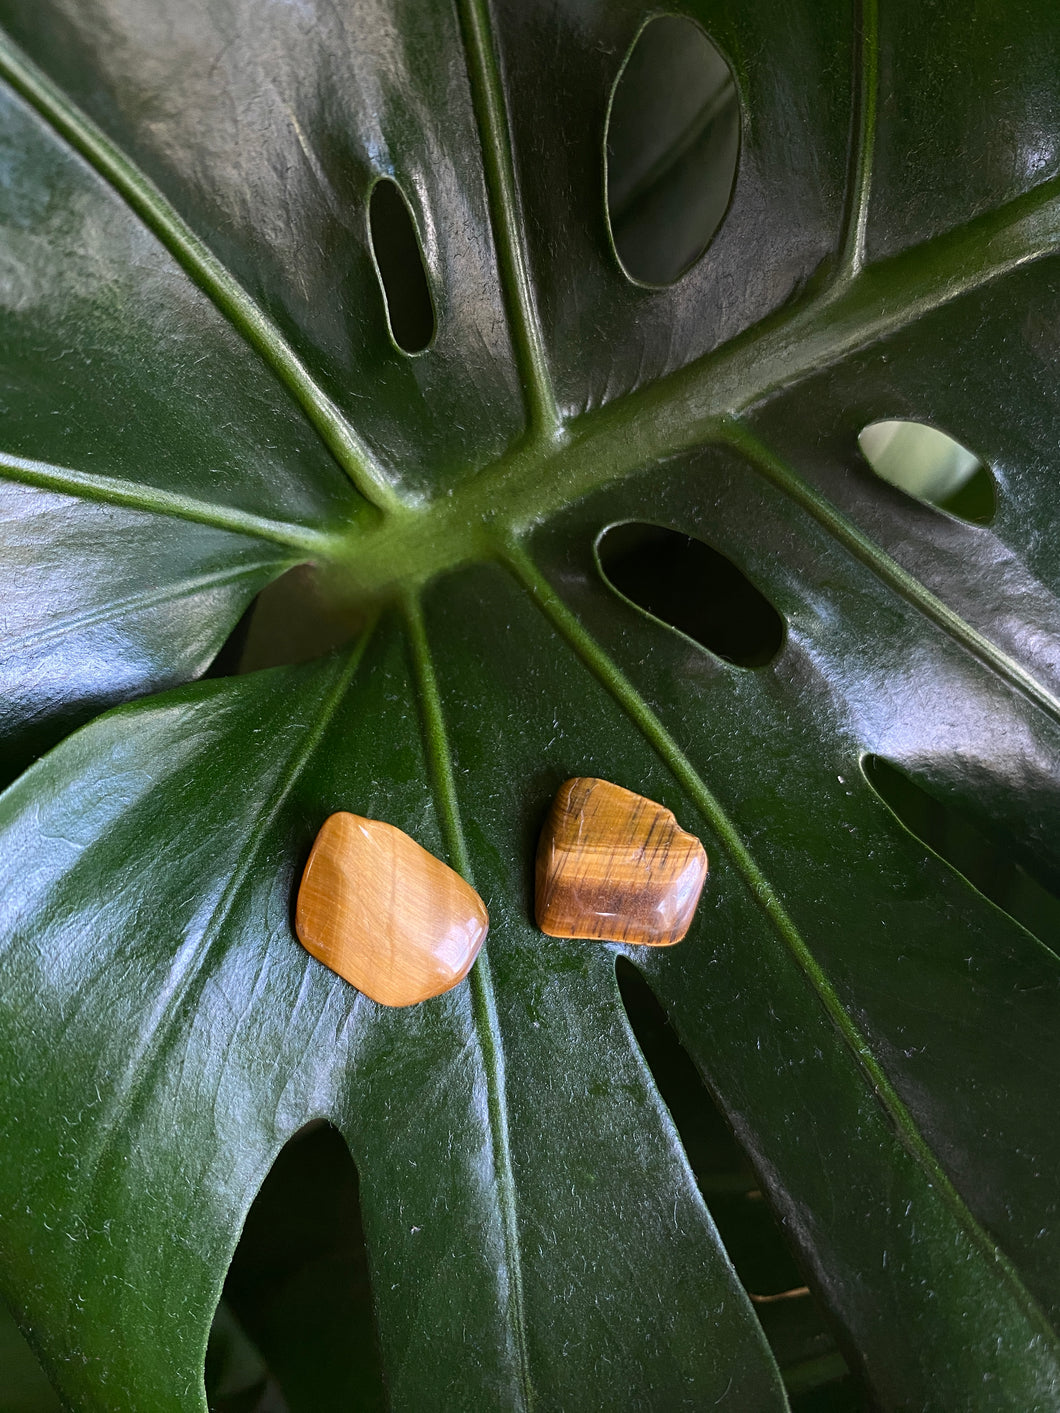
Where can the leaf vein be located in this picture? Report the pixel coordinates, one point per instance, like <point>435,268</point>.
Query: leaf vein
<point>625,694</point>
<point>775,469</point>
<point>217,282</point>
<point>136,495</point>
<point>133,603</point>
<point>185,987</point>
<point>487,92</point>
<point>863,143</point>
<point>483,1001</point>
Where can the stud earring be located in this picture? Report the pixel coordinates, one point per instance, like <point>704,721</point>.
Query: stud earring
<point>614,867</point>
<point>387,916</point>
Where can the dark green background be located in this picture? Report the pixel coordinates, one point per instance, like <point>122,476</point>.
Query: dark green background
<point>198,391</point>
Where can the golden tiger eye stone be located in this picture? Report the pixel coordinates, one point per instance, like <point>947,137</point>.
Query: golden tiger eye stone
<point>389,917</point>
<point>614,867</point>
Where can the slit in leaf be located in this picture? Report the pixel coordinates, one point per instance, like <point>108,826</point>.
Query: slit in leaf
<point>230,654</point>
<point>985,862</point>
<point>294,619</point>
<point>24,1386</point>
<point>791,1318</point>
<point>672,143</point>
<point>400,266</point>
<point>693,588</point>
<point>295,1328</point>
<point>930,466</point>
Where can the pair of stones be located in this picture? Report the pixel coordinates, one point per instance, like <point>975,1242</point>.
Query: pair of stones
<point>401,926</point>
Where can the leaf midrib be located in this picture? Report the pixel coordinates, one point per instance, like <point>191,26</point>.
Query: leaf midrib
<point>564,462</point>
<point>483,1003</point>
<point>561,461</point>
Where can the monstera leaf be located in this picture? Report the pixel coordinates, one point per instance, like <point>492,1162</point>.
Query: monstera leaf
<point>201,390</point>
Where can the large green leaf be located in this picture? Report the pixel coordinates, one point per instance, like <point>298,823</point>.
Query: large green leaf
<point>194,353</point>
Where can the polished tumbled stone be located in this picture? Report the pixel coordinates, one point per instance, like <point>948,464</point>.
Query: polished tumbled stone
<point>385,914</point>
<point>615,867</point>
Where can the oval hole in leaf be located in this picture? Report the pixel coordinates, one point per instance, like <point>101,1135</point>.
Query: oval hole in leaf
<point>400,266</point>
<point>685,583</point>
<point>984,862</point>
<point>790,1315</point>
<point>930,466</point>
<point>672,144</point>
<point>291,620</point>
<point>296,1314</point>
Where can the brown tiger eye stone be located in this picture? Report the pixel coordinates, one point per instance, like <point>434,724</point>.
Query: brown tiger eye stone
<point>615,867</point>
<point>386,915</point>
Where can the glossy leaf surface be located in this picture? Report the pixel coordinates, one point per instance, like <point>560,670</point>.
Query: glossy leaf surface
<point>200,390</point>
